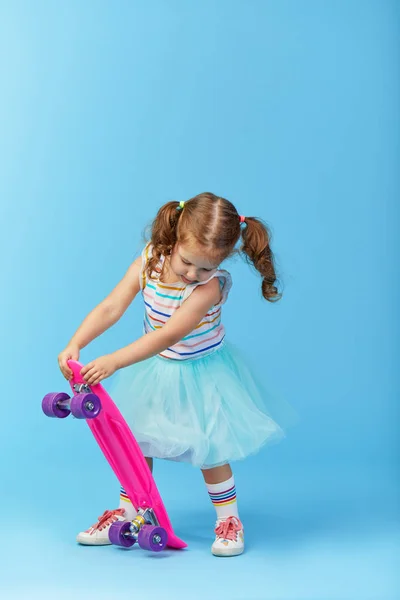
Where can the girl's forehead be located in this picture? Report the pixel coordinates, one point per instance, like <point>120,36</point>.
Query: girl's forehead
<point>196,256</point>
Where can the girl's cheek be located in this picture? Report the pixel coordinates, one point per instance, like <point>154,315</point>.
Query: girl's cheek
<point>206,275</point>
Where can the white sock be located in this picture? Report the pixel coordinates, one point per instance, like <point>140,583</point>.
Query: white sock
<point>223,497</point>
<point>125,503</point>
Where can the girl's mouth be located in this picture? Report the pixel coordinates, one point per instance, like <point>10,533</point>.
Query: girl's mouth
<point>186,280</point>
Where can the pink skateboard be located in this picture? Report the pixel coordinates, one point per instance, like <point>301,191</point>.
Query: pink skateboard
<point>151,527</point>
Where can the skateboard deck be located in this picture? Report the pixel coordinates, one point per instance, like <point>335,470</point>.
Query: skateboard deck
<point>124,455</point>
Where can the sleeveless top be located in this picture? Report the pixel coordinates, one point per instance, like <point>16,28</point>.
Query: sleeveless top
<point>161,300</point>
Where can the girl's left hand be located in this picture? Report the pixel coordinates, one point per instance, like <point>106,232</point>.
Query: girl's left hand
<point>99,369</point>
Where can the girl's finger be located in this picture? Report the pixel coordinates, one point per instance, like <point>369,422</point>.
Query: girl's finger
<point>67,370</point>
<point>67,373</point>
<point>94,376</point>
<point>91,370</point>
<point>89,376</point>
<point>97,378</point>
<point>86,368</point>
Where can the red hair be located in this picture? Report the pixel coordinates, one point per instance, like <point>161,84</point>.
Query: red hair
<point>212,224</point>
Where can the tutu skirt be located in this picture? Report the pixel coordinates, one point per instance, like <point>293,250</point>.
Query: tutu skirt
<point>206,411</point>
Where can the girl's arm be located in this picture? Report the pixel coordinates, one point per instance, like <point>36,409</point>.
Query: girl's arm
<point>101,318</point>
<point>182,322</point>
<point>111,309</point>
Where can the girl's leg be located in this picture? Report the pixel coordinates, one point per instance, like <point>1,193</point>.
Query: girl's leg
<point>217,474</point>
<point>222,491</point>
<point>124,501</point>
<point>229,535</point>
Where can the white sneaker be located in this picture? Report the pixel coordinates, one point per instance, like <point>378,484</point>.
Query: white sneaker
<point>97,535</point>
<point>229,540</point>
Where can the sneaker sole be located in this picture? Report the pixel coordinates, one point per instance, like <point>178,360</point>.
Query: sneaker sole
<point>226,553</point>
<point>92,542</point>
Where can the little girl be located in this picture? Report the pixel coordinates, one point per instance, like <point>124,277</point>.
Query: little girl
<point>182,388</point>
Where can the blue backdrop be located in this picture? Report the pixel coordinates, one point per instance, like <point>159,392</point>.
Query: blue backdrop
<point>290,110</point>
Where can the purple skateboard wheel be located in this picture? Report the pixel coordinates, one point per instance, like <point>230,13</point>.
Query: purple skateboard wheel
<point>152,538</point>
<point>117,534</point>
<point>85,406</point>
<point>52,405</point>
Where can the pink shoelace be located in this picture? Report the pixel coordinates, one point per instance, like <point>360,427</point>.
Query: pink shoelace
<point>228,529</point>
<point>107,518</point>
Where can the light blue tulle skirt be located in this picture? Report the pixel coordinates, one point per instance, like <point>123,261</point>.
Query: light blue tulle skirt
<point>206,411</point>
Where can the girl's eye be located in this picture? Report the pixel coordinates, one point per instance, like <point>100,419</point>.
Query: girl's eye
<point>185,262</point>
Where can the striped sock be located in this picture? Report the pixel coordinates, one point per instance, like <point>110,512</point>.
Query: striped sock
<point>124,502</point>
<point>223,497</point>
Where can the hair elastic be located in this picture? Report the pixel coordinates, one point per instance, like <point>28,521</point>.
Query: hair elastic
<point>181,205</point>
<point>242,219</point>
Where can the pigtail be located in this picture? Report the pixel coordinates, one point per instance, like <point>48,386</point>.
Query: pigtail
<point>163,233</point>
<point>257,250</point>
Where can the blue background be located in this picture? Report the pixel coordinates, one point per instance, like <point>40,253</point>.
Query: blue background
<point>290,110</point>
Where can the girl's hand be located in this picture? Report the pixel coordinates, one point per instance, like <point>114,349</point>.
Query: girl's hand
<point>99,369</point>
<point>70,352</point>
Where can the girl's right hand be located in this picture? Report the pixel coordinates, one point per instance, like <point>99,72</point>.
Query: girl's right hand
<point>70,352</point>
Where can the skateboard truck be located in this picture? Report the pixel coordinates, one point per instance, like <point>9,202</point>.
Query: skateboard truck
<point>144,517</point>
<point>144,529</point>
<point>82,388</point>
<point>83,405</point>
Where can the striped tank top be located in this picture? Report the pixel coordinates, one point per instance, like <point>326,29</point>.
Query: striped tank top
<point>161,300</point>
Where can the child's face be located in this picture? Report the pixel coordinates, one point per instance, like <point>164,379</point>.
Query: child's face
<point>190,265</point>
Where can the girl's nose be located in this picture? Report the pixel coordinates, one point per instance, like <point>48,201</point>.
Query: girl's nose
<point>192,274</point>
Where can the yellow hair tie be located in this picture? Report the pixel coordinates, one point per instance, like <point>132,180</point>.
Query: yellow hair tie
<point>181,205</point>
